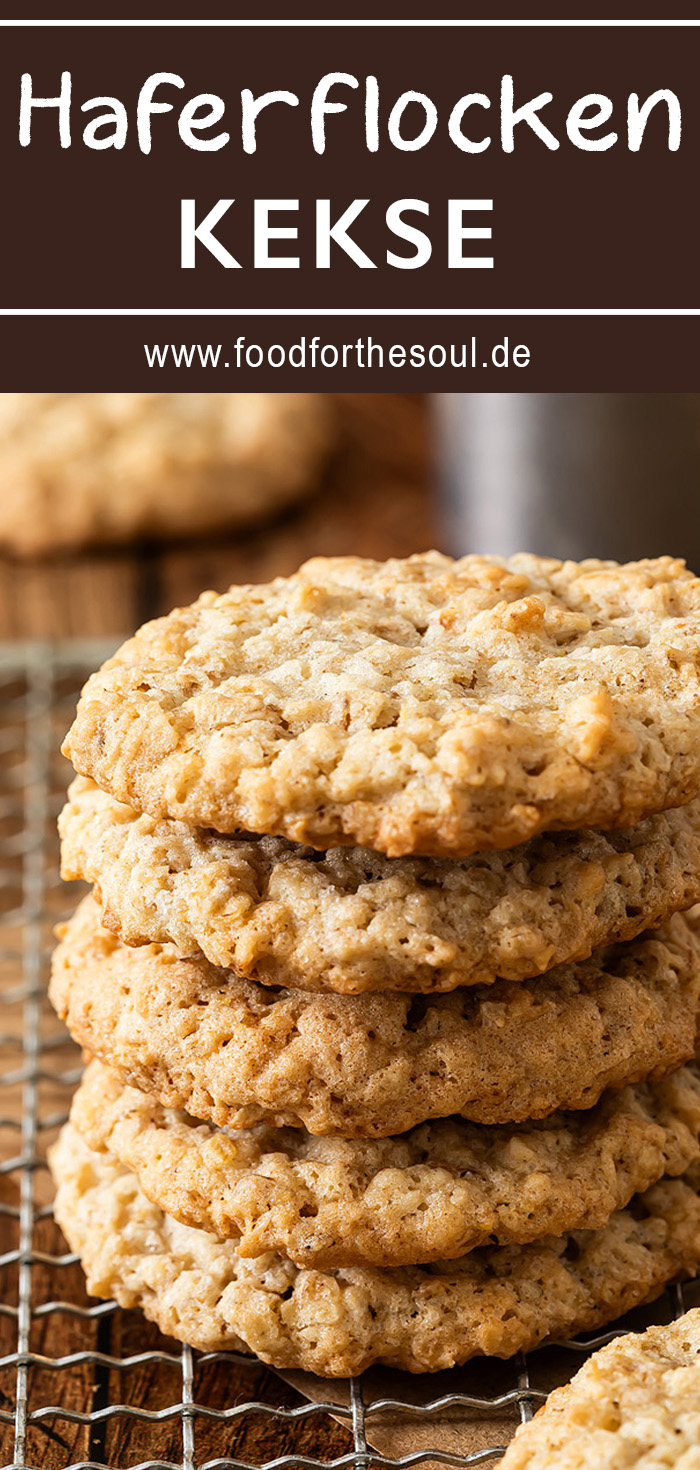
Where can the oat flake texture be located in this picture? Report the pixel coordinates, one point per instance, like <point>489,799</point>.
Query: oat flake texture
<point>496,1301</point>
<point>351,920</point>
<point>236,1053</point>
<point>426,705</point>
<point>635,1405</point>
<point>428,1195</point>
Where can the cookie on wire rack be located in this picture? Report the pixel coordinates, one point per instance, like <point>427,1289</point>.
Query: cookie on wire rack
<point>636,1402</point>
<point>427,705</point>
<point>495,1301</point>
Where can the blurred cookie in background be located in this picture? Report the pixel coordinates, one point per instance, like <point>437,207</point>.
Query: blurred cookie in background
<point>82,469</point>
<point>376,500</point>
<point>368,492</point>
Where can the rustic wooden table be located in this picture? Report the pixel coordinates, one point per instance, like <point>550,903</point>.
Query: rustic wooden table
<point>374,501</point>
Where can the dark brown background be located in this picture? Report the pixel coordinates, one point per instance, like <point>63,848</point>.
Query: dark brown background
<point>589,353</point>
<point>84,228</point>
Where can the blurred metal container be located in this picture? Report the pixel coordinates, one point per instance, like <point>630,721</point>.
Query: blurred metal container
<point>570,474</point>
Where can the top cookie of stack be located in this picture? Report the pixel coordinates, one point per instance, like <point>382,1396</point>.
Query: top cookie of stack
<point>431,712</point>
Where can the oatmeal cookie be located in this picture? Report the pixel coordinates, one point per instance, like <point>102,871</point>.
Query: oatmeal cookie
<point>79,468</point>
<point>431,1194</point>
<point>351,920</point>
<point>428,705</point>
<point>636,1402</point>
<point>494,1301</point>
<point>236,1053</point>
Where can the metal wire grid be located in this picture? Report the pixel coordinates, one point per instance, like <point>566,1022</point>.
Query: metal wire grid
<point>38,687</point>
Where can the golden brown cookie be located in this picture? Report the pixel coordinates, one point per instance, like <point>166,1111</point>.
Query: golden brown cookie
<point>351,920</point>
<point>634,1403</point>
<point>409,706</point>
<point>494,1301</point>
<point>237,1053</point>
<point>428,1195</point>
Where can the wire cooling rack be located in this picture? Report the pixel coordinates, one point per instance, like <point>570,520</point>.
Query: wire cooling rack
<point>84,1385</point>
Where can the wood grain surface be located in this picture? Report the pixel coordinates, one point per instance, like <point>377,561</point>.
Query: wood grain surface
<point>375,501</point>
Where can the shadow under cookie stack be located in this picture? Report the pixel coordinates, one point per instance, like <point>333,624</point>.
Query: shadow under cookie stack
<point>386,980</point>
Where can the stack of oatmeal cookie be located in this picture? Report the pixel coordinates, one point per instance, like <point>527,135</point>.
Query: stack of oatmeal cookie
<point>390,997</point>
